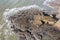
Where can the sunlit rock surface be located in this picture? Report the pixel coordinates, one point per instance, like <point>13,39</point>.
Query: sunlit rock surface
<point>56,5</point>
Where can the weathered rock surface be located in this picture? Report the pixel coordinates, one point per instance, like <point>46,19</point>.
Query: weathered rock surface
<point>31,23</point>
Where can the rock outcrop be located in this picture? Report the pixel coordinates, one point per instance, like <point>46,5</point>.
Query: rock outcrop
<point>31,23</point>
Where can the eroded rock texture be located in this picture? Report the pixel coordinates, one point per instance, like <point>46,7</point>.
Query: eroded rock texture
<point>31,23</point>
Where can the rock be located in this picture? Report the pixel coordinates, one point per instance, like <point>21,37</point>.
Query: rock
<point>57,25</point>
<point>31,23</point>
<point>58,15</point>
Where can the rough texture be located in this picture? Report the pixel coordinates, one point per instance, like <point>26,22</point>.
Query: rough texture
<point>44,32</point>
<point>31,23</point>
